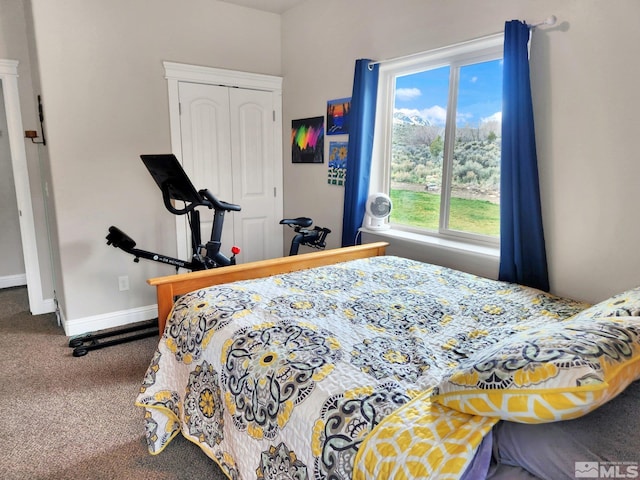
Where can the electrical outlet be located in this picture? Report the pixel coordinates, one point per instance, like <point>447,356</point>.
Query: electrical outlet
<point>123,283</point>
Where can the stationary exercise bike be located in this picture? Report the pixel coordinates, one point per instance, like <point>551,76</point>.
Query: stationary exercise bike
<point>314,238</point>
<point>175,186</point>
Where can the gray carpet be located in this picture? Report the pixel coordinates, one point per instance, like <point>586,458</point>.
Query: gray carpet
<point>73,418</point>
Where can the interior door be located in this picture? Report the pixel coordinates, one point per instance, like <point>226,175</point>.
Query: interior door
<point>206,151</point>
<point>227,139</point>
<point>15,135</point>
<point>256,228</point>
<point>12,265</point>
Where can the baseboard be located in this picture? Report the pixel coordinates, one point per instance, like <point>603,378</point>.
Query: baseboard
<point>8,281</point>
<point>95,323</point>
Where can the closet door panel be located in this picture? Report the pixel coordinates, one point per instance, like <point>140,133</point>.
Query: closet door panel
<point>206,149</point>
<point>252,142</point>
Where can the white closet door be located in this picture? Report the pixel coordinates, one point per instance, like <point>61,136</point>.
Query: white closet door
<point>228,146</point>
<point>206,151</point>
<point>257,229</point>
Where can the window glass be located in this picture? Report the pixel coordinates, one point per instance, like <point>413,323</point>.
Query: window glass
<point>475,179</point>
<point>419,119</point>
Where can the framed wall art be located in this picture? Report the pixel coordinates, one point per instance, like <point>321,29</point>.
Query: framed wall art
<point>338,116</point>
<point>307,140</point>
<point>337,174</point>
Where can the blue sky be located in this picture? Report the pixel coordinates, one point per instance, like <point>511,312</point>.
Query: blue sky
<point>479,95</point>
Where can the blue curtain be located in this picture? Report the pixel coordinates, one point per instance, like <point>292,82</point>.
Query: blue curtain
<point>361,124</point>
<point>523,256</point>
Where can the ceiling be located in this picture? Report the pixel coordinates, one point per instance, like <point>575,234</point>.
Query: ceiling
<point>273,6</point>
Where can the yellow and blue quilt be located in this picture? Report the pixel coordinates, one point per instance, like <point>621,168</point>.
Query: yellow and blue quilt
<point>330,373</point>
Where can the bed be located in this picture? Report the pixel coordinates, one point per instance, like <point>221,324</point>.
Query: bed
<point>349,363</point>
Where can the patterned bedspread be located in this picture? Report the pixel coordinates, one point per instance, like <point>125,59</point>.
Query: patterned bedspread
<point>293,372</point>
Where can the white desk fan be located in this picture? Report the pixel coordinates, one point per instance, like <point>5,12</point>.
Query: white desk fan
<point>377,212</point>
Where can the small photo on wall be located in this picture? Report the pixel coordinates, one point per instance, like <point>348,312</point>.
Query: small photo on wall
<point>337,174</point>
<point>307,140</point>
<point>338,116</point>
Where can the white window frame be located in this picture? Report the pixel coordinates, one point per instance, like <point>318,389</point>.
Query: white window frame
<point>473,51</point>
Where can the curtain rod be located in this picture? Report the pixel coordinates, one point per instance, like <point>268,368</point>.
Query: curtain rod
<point>551,20</point>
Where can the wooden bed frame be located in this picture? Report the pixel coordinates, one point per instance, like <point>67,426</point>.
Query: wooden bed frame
<point>171,286</point>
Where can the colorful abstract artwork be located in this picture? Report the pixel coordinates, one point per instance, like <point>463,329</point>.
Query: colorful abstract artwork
<point>338,116</point>
<point>307,140</point>
<point>337,163</point>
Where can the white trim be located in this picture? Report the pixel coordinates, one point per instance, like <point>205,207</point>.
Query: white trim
<point>179,72</point>
<point>9,78</point>
<point>9,281</point>
<point>472,51</point>
<point>218,76</point>
<point>48,306</point>
<point>475,259</point>
<point>460,247</point>
<point>103,321</point>
<point>467,50</point>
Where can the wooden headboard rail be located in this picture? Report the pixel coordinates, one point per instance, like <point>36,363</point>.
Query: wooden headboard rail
<point>171,286</point>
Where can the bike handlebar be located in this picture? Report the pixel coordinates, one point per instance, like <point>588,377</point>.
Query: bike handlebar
<point>208,200</point>
<point>218,204</point>
<point>166,198</point>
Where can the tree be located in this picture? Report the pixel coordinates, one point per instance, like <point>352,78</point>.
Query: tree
<point>437,147</point>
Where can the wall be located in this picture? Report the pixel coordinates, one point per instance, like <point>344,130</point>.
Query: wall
<point>101,77</point>
<point>585,101</point>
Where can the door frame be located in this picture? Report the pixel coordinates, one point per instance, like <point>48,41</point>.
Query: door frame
<point>9,78</point>
<point>180,72</point>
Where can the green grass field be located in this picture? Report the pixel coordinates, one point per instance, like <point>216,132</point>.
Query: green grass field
<point>422,209</point>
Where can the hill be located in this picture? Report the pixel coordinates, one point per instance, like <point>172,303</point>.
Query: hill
<point>417,154</point>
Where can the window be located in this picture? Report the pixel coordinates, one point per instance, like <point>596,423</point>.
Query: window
<point>438,137</point>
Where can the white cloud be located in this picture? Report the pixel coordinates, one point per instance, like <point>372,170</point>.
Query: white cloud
<point>436,115</point>
<point>463,117</point>
<point>474,79</point>
<point>408,93</point>
<point>496,117</point>
<point>409,112</point>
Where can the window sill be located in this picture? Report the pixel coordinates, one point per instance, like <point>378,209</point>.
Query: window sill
<point>482,260</point>
<point>439,242</point>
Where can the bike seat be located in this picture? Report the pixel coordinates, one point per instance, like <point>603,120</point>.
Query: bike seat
<point>300,221</point>
<point>119,239</point>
